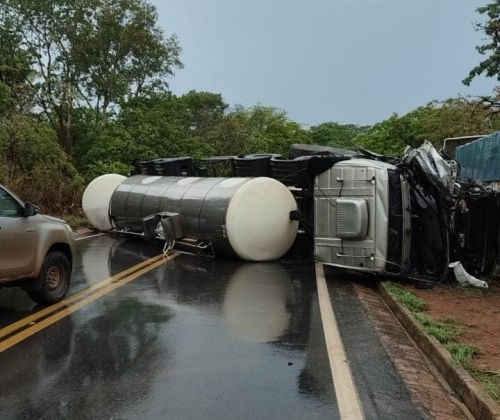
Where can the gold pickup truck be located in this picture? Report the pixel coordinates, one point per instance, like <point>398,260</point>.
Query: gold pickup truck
<point>36,251</point>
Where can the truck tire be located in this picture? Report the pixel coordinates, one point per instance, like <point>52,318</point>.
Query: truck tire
<point>54,279</point>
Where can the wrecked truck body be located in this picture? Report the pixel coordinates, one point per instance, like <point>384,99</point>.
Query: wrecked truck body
<point>405,217</point>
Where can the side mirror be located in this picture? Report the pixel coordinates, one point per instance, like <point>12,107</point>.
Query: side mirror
<point>30,210</point>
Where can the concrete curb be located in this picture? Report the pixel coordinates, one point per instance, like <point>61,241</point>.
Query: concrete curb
<point>477,401</point>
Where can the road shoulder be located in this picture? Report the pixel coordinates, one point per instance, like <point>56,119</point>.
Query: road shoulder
<point>480,405</point>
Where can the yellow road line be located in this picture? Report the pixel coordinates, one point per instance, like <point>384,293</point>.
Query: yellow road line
<point>62,304</point>
<point>65,311</point>
<point>345,390</point>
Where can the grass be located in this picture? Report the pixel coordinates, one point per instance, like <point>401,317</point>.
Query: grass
<point>409,300</point>
<point>448,332</point>
<point>75,221</point>
<point>490,382</point>
<point>462,354</point>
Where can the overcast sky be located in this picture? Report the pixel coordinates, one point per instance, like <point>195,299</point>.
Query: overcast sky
<point>349,61</point>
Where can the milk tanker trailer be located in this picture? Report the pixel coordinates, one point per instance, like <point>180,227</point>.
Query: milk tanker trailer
<point>406,217</point>
<point>250,218</point>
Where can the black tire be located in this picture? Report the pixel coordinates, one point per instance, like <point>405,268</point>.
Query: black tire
<point>54,279</point>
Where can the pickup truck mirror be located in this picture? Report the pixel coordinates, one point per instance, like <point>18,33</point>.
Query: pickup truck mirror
<point>30,210</point>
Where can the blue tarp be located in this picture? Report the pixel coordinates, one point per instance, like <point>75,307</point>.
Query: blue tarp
<point>480,159</point>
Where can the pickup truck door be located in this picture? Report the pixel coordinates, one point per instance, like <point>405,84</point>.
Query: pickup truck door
<point>17,239</point>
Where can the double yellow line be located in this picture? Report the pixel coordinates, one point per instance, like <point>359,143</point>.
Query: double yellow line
<point>26,327</point>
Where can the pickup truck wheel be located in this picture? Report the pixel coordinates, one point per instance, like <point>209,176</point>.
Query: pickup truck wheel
<point>54,279</point>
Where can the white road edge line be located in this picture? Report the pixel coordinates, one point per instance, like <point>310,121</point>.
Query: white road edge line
<point>90,236</point>
<point>345,390</point>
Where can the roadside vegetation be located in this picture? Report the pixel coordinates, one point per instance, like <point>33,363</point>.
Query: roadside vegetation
<point>84,91</point>
<point>449,333</point>
<point>76,220</point>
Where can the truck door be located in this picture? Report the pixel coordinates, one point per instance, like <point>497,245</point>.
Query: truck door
<point>17,239</point>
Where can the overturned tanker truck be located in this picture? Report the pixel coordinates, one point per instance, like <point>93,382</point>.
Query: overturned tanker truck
<point>407,217</point>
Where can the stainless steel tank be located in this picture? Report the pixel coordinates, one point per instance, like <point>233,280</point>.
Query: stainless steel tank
<point>248,217</point>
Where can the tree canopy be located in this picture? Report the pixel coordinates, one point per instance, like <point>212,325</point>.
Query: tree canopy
<point>490,66</point>
<point>83,92</point>
<point>97,53</point>
<point>433,122</point>
<point>335,134</point>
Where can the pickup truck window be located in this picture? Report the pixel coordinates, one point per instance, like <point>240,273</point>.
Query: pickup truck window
<point>9,207</point>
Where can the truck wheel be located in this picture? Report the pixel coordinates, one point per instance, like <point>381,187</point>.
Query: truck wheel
<point>54,279</point>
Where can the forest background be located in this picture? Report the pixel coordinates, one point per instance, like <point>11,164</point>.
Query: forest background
<point>84,91</point>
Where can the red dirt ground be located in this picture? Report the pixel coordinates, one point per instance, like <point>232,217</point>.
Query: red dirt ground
<point>477,310</point>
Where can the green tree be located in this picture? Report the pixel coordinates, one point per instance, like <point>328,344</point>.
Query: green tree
<point>92,52</point>
<point>490,66</point>
<point>6,101</point>
<point>336,135</point>
<point>120,52</point>
<point>388,137</point>
<point>450,118</point>
<point>15,68</point>
<point>206,112</point>
<point>112,150</point>
<point>34,165</point>
<point>205,109</point>
<point>433,122</point>
<point>158,125</point>
<point>258,129</point>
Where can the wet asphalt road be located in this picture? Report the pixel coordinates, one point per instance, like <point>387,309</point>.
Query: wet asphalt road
<point>193,339</point>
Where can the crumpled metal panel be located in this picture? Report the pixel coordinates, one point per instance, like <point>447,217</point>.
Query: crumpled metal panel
<point>438,171</point>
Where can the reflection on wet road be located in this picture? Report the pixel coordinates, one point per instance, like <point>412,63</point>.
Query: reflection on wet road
<point>190,339</point>
<point>194,338</point>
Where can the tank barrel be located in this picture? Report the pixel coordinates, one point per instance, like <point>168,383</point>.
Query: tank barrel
<point>244,217</point>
